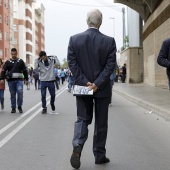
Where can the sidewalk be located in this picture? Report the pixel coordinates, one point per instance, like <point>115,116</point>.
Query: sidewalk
<point>151,98</point>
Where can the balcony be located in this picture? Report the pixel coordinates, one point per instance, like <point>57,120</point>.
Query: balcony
<point>38,11</point>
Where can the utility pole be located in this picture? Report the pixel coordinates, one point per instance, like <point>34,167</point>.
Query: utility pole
<point>113,25</point>
<point>124,29</point>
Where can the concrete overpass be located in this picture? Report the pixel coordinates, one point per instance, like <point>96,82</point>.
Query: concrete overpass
<point>143,7</point>
<point>156,15</point>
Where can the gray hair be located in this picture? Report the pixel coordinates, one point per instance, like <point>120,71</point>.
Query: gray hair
<point>94,18</point>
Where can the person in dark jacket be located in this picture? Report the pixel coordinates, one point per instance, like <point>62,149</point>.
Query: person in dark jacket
<point>91,59</point>
<point>164,58</point>
<point>124,73</point>
<point>15,67</point>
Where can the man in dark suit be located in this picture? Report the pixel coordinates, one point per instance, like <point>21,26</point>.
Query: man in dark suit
<point>91,58</point>
<point>164,58</point>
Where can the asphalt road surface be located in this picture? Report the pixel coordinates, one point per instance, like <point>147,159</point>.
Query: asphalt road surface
<point>137,139</point>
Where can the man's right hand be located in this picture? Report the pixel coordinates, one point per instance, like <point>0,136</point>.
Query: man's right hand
<point>92,86</point>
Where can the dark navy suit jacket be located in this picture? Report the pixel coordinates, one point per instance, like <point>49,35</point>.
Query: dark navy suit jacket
<point>92,58</point>
<point>164,56</point>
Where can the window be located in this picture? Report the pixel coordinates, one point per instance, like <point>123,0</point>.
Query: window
<point>15,40</point>
<point>15,27</point>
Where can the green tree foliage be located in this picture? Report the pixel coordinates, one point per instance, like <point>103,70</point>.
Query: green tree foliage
<point>65,63</point>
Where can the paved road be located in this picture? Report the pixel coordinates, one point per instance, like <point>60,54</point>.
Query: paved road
<point>137,140</point>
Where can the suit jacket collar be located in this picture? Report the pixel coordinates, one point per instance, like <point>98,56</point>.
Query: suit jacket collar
<point>92,29</point>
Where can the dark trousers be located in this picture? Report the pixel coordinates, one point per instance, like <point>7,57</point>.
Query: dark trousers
<point>51,88</point>
<point>2,96</point>
<point>84,118</point>
<point>37,81</point>
<point>62,80</point>
<point>123,78</point>
<point>70,83</point>
<point>57,82</point>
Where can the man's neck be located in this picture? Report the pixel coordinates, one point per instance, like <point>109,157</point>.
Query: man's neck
<point>14,58</point>
<point>94,28</point>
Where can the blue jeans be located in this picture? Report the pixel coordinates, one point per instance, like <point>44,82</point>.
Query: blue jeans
<point>16,87</point>
<point>1,96</point>
<point>51,88</point>
<point>70,83</point>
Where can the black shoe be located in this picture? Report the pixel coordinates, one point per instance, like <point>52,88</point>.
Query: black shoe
<point>104,161</point>
<point>44,111</point>
<point>2,106</point>
<point>75,157</point>
<point>52,107</point>
<point>13,110</point>
<point>20,109</point>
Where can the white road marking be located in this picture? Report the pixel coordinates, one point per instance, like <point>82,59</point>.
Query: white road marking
<point>10,135</point>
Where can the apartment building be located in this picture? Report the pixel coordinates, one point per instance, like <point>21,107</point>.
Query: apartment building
<point>4,29</point>
<point>39,28</point>
<point>28,29</point>
<point>21,27</point>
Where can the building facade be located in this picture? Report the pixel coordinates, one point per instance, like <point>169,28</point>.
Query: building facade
<point>4,29</point>
<point>25,31</point>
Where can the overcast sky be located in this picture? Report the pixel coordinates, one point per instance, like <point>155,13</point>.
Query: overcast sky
<point>64,18</point>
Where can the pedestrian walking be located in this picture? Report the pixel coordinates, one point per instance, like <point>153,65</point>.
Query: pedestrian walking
<point>12,71</point>
<point>29,82</point>
<point>2,86</point>
<point>56,78</point>
<point>164,58</point>
<point>70,80</point>
<point>124,73</point>
<point>59,72</point>
<point>30,73</point>
<point>45,64</point>
<point>36,79</point>
<point>62,75</point>
<point>91,59</point>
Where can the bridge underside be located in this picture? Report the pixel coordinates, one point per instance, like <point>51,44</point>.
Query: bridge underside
<point>143,7</point>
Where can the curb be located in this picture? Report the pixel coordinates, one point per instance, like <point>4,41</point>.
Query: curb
<point>148,106</point>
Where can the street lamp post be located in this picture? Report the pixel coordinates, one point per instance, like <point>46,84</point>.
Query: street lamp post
<point>124,31</point>
<point>113,25</point>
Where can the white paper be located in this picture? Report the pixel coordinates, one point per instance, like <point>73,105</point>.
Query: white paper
<point>82,90</point>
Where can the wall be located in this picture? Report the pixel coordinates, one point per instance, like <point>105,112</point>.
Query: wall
<point>154,74</point>
<point>133,57</point>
